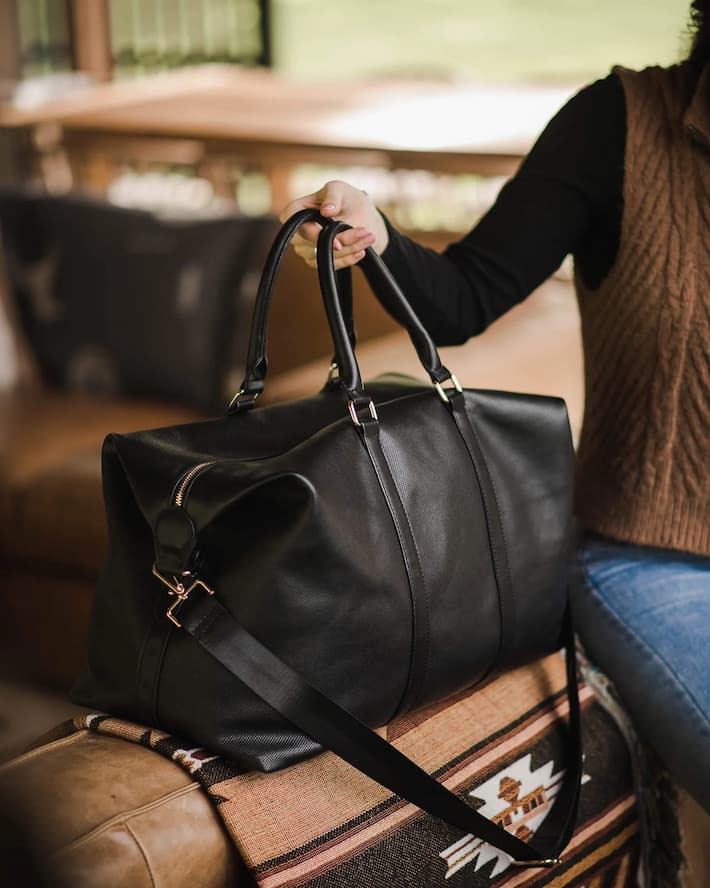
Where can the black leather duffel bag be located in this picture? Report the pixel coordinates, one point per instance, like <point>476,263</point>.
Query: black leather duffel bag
<point>279,579</point>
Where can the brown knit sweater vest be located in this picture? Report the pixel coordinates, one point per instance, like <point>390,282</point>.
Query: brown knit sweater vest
<point>643,471</point>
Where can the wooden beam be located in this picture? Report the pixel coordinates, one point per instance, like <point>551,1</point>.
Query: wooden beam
<point>265,27</point>
<point>10,61</point>
<point>91,34</point>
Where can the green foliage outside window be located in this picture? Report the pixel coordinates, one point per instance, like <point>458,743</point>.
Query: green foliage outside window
<point>492,40</point>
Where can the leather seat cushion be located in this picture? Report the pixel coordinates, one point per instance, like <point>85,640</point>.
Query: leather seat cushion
<point>97,811</point>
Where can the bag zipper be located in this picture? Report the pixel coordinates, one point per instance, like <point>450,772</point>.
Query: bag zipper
<point>185,482</point>
<point>183,585</point>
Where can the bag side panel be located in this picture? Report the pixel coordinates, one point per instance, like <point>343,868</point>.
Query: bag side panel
<point>528,448</point>
<point>124,604</point>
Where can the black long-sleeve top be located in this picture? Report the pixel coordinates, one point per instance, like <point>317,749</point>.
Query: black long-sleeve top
<point>567,197</point>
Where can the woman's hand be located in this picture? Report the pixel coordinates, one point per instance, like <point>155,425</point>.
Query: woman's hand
<point>338,200</point>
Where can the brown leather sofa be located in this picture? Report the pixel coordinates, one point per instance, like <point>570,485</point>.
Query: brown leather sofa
<point>98,812</point>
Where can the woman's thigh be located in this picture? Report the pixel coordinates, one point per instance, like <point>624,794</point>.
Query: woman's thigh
<point>644,617</point>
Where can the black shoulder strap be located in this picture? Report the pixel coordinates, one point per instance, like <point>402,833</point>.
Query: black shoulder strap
<point>312,712</point>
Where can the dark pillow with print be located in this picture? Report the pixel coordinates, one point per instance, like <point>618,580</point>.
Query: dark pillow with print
<point>120,301</point>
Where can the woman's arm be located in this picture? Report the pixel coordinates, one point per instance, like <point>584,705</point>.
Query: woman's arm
<point>565,198</point>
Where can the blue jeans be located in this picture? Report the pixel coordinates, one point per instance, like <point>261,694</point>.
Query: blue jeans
<point>643,615</point>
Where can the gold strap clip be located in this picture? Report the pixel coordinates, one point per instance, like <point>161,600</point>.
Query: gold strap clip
<point>180,590</point>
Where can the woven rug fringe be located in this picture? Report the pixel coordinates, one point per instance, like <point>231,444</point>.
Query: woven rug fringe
<point>657,795</point>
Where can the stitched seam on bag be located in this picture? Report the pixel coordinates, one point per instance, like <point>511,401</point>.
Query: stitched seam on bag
<point>404,549</point>
<point>506,632</point>
<point>504,554</point>
<point>158,675</point>
<point>124,817</point>
<point>424,655</point>
<point>497,518</point>
<point>163,634</point>
<point>142,652</point>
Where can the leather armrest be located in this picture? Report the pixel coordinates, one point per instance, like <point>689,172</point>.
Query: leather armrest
<point>99,812</point>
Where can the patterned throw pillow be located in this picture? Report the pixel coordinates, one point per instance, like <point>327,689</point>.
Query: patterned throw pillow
<point>117,301</point>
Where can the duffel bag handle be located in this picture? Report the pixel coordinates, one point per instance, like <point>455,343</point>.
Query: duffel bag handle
<point>340,321</point>
<point>256,363</point>
<point>378,275</point>
<point>253,383</point>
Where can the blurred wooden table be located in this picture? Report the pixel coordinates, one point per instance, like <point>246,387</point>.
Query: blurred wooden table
<point>198,115</point>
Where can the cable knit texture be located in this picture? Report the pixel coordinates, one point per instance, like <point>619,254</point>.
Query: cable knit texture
<point>643,469</point>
